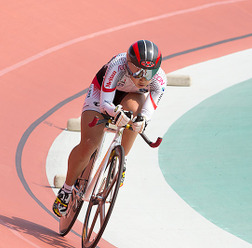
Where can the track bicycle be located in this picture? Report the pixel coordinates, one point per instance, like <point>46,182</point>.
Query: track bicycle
<point>99,185</point>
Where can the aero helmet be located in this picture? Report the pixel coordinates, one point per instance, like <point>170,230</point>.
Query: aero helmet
<point>146,55</point>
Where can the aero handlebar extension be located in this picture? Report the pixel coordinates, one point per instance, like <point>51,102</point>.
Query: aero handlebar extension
<point>97,121</point>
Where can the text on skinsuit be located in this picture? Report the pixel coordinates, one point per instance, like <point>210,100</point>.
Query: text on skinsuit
<point>159,79</point>
<point>108,84</point>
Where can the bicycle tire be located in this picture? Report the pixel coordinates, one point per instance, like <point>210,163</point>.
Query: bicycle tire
<point>66,222</point>
<point>111,185</point>
<point>75,204</point>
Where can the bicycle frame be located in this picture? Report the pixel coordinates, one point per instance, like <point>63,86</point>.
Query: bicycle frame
<point>94,184</point>
<point>94,175</point>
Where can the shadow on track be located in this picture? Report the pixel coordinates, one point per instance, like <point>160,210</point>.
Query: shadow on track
<point>41,233</point>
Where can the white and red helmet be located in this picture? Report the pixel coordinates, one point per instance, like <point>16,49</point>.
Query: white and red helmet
<point>146,55</point>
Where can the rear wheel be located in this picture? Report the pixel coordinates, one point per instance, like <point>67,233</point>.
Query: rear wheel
<point>74,207</point>
<point>76,202</point>
<point>101,204</point>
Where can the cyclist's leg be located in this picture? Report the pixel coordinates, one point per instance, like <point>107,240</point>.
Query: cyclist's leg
<point>133,102</point>
<point>90,140</point>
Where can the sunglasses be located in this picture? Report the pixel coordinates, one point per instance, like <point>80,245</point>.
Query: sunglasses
<point>147,74</point>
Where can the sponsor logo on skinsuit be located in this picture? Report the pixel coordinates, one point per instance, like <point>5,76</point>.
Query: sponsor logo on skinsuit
<point>90,90</point>
<point>159,79</point>
<point>108,84</point>
<point>121,67</point>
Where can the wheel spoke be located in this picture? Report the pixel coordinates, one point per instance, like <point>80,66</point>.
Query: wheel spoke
<point>106,193</point>
<point>102,212</point>
<point>90,231</point>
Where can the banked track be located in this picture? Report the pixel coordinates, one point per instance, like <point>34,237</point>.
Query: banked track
<point>35,83</point>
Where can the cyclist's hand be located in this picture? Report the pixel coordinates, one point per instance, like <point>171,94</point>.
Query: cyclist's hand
<point>139,123</point>
<point>122,117</point>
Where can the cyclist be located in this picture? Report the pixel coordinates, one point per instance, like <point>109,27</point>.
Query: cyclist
<point>130,81</point>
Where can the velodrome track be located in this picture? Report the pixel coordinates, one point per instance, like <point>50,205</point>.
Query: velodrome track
<point>49,53</point>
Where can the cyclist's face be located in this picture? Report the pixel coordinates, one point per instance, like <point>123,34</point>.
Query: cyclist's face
<point>141,82</point>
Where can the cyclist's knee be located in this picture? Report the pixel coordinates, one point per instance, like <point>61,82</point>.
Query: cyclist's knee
<point>133,102</point>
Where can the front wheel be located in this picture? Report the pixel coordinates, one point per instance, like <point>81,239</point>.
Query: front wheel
<point>101,204</point>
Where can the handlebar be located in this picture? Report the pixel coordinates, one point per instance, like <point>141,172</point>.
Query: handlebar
<point>97,121</point>
<point>150,143</point>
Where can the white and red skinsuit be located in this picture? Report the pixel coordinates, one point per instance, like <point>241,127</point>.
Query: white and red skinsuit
<point>113,81</point>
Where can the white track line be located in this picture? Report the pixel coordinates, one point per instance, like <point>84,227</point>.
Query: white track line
<point>111,30</point>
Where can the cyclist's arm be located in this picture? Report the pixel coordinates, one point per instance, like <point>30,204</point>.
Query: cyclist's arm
<point>108,89</point>
<point>157,89</point>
